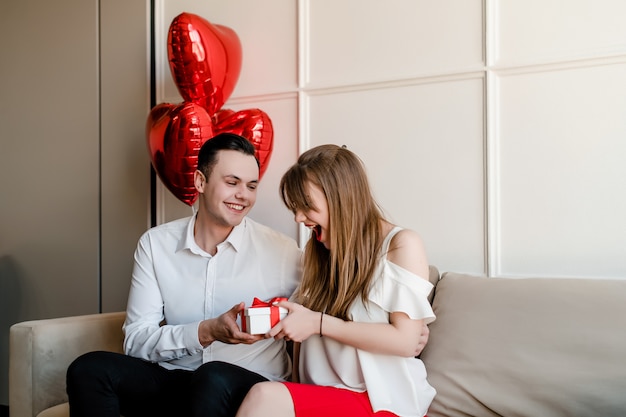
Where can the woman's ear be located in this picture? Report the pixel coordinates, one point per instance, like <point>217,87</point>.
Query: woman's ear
<point>199,180</point>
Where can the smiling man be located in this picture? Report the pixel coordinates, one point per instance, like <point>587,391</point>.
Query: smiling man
<point>185,353</point>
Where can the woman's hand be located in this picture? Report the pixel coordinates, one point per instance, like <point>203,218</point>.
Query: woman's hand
<point>299,324</point>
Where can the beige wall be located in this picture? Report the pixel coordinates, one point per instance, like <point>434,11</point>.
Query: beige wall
<point>74,172</point>
<point>494,128</point>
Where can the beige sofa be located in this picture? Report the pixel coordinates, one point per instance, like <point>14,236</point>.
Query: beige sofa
<point>499,347</point>
<point>528,347</point>
<point>40,352</point>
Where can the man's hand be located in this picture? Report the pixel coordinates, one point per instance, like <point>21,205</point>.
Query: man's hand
<point>224,328</point>
<point>423,340</point>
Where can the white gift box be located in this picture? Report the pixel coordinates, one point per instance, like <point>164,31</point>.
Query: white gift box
<point>258,320</point>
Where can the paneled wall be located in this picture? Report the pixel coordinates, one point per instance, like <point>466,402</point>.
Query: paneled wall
<point>557,137</point>
<point>74,170</point>
<point>496,129</point>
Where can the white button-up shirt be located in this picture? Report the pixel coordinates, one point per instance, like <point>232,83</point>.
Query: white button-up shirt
<point>176,282</point>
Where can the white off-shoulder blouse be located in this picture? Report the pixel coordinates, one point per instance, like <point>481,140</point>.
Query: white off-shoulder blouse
<point>396,384</point>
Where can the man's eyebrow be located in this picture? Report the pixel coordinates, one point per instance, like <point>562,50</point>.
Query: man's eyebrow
<point>233,176</point>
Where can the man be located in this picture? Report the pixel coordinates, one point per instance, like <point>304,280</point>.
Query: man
<point>185,353</point>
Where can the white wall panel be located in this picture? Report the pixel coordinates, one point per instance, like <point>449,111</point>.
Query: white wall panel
<point>269,208</point>
<point>423,148</point>
<point>532,31</point>
<point>268,34</point>
<point>562,199</point>
<point>359,41</point>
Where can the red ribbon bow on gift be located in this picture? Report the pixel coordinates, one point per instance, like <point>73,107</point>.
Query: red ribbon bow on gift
<point>259,303</point>
<point>274,310</point>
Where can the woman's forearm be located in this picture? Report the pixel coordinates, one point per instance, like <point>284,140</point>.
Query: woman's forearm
<point>400,337</point>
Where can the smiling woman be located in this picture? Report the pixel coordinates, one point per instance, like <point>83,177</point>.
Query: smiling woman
<point>364,294</point>
<point>315,214</point>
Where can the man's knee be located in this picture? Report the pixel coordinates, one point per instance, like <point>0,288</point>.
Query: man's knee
<point>91,367</point>
<point>86,364</point>
<point>217,388</point>
<point>216,375</point>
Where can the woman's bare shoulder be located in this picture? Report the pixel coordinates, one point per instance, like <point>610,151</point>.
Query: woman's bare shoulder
<point>406,250</point>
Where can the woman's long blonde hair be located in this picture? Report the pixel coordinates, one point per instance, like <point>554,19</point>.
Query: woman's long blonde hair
<point>333,279</point>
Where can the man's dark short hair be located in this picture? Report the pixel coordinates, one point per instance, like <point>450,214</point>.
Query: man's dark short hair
<point>207,157</point>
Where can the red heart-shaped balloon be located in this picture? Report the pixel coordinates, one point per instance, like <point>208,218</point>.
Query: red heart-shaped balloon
<point>254,125</point>
<point>175,134</point>
<point>205,60</point>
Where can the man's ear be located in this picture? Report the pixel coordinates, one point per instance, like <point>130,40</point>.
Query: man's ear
<point>199,181</point>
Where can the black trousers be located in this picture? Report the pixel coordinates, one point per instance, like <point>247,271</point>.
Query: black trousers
<point>106,384</point>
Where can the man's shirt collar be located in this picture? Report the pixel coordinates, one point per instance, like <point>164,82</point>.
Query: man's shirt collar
<point>235,237</point>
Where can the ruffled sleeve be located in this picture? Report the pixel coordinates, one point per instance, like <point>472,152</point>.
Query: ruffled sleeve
<point>399,290</point>
<point>394,383</point>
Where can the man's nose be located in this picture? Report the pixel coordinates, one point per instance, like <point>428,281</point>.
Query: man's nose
<point>242,192</point>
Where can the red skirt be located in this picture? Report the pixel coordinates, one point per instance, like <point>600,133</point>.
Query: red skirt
<point>314,401</point>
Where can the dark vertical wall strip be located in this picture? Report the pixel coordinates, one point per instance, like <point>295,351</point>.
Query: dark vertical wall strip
<point>99,78</point>
<point>153,178</point>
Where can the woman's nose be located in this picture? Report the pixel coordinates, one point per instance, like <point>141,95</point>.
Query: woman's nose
<point>299,216</point>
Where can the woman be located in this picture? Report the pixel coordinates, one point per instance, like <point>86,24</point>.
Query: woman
<point>359,311</point>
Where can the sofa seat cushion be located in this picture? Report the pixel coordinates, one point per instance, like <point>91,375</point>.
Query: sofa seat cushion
<point>527,347</point>
<point>61,410</point>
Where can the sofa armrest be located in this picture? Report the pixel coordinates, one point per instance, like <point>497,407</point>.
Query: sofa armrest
<point>41,350</point>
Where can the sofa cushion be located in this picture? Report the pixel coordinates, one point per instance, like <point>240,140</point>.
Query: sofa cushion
<point>527,347</point>
<point>61,410</point>
<point>433,278</point>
